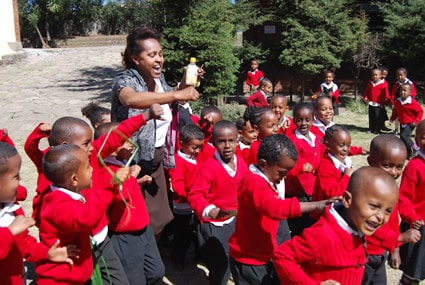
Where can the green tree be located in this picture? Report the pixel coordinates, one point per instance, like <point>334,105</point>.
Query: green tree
<point>318,34</point>
<point>404,32</point>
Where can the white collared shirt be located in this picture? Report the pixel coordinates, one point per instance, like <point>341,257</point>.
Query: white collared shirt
<point>311,141</point>
<point>187,157</point>
<point>339,165</point>
<point>7,214</point>
<point>162,125</point>
<point>319,124</point>
<point>341,222</point>
<point>407,101</point>
<point>278,188</point>
<point>73,195</point>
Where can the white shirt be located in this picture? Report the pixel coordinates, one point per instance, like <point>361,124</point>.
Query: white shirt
<point>7,214</point>
<point>162,125</point>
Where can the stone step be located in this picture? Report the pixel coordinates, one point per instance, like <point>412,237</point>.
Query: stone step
<point>91,41</point>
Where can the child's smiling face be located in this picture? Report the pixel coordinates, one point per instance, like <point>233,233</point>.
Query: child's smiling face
<point>339,145</point>
<point>303,119</point>
<point>279,106</point>
<point>9,180</point>
<point>325,111</point>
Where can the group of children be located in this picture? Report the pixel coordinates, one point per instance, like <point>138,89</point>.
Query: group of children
<point>271,199</point>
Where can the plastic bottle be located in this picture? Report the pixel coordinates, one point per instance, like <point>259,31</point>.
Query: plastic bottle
<point>192,72</point>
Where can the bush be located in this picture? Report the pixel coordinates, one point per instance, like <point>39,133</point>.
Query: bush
<point>230,111</point>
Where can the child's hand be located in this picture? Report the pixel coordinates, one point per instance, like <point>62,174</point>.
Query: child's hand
<point>20,224</point>
<point>122,174</point>
<point>45,128</point>
<point>146,179</point>
<point>412,125</point>
<point>348,171</point>
<point>63,254</point>
<point>417,224</point>
<point>135,170</point>
<point>395,260</point>
<point>411,235</point>
<point>208,119</point>
<point>364,151</point>
<point>214,213</point>
<point>320,206</point>
<point>286,125</point>
<point>4,132</point>
<point>307,167</point>
<point>330,282</point>
<point>390,123</point>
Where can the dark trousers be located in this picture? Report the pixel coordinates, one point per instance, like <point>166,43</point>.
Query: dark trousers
<point>244,274</point>
<point>405,133</point>
<point>374,272</point>
<point>139,256</point>
<point>283,232</point>
<point>214,247</point>
<point>376,118</point>
<point>185,226</point>
<point>110,265</point>
<point>413,256</point>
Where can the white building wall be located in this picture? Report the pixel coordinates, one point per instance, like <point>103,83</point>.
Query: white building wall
<point>7,28</point>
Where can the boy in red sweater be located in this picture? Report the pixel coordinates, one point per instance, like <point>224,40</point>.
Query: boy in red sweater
<point>388,153</point>
<point>182,178</point>
<point>409,113</point>
<point>279,106</point>
<point>259,98</point>
<point>209,116</point>
<point>332,250</point>
<point>260,209</point>
<point>253,76</point>
<point>376,94</point>
<point>16,243</point>
<point>214,198</point>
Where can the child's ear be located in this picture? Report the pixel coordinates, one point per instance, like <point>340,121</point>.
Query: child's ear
<point>262,163</point>
<point>347,199</point>
<point>370,161</point>
<point>74,180</point>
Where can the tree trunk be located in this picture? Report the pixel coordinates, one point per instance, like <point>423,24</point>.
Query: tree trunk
<point>43,42</point>
<point>302,90</point>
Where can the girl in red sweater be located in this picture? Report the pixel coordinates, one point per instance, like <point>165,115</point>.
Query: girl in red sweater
<point>247,135</point>
<point>329,88</point>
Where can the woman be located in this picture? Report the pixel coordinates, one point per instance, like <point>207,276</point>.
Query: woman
<point>140,85</point>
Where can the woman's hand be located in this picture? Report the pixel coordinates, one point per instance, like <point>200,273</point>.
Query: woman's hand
<point>188,93</point>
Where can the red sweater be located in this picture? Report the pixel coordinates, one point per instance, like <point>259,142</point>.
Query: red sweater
<point>334,89</point>
<point>330,182</point>
<point>70,221</point>
<point>259,212</point>
<point>292,127</point>
<point>253,152</point>
<point>182,178</point>
<point>257,99</point>
<point>396,85</point>
<point>298,183</point>
<point>407,113</point>
<point>214,185</point>
<point>377,93</point>
<point>324,251</point>
<point>412,194</point>
<point>243,152</point>
<point>127,212</point>
<point>386,237</point>
<point>253,78</point>
<point>13,249</point>
<point>206,152</point>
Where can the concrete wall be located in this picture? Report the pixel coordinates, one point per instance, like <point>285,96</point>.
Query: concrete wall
<point>9,27</point>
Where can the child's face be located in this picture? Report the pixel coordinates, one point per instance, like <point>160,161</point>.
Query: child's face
<point>376,75</point>
<point>192,147</point>
<point>275,172</point>
<point>401,76</point>
<point>247,135</point>
<point>254,64</point>
<point>384,74</point>
<point>391,160</point>
<point>329,78</point>
<point>303,119</point>
<point>279,106</point>
<point>267,88</point>
<point>83,137</point>
<point>9,180</point>
<point>267,126</point>
<point>370,209</point>
<point>339,145</point>
<point>420,137</point>
<point>84,172</point>
<point>225,142</point>
<point>325,111</point>
<point>405,91</point>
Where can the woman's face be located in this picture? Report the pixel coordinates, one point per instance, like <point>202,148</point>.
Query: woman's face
<point>149,62</point>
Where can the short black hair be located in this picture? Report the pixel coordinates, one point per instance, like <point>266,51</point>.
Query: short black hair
<point>255,114</point>
<point>94,112</point>
<point>191,132</point>
<point>60,162</point>
<point>319,98</point>
<point>63,129</point>
<point>223,124</point>
<point>331,131</point>
<point>104,129</point>
<point>6,152</point>
<point>303,105</point>
<point>209,109</point>
<point>380,142</point>
<point>274,147</point>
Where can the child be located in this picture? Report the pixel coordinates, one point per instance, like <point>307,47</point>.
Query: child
<point>332,250</point>
<point>254,76</point>
<point>409,113</point>
<point>69,216</point>
<point>132,237</point>
<point>16,243</point>
<point>376,94</point>
<point>214,198</point>
<point>412,210</point>
<point>388,153</point>
<point>247,135</point>
<point>335,169</point>
<point>264,123</point>
<point>209,116</point>
<point>329,88</point>
<point>182,178</point>
<point>384,74</point>
<point>259,211</point>
<point>401,76</point>
<point>279,105</point>
<point>96,114</point>
<point>259,98</point>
